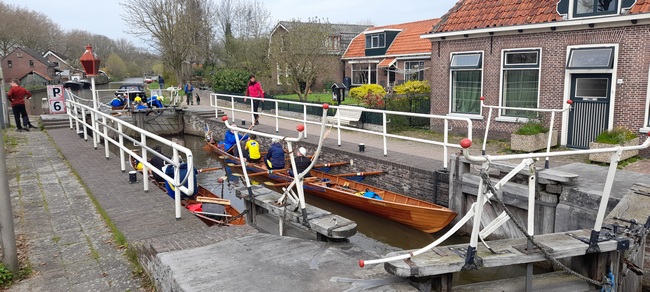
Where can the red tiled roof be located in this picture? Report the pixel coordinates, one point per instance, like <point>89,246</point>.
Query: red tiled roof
<point>386,62</point>
<point>408,41</point>
<point>476,14</point>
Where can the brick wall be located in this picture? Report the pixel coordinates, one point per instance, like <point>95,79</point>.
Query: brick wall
<point>633,61</point>
<point>20,66</point>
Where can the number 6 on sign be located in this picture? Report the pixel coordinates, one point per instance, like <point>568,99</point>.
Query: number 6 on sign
<point>57,107</point>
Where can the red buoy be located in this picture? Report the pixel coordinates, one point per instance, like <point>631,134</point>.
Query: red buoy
<point>326,106</point>
<point>224,118</point>
<point>361,263</point>
<point>300,128</point>
<point>466,143</point>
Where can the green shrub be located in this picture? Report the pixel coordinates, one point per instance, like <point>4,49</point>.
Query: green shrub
<point>230,81</point>
<point>618,135</point>
<point>364,90</point>
<point>413,87</point>
<point>532,127</point>
<point>5,276</point>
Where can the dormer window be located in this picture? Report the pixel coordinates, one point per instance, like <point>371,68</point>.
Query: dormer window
<point>594,7</point>
<point>374,41</point>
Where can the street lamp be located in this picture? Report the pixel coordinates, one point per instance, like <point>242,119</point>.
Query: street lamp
<point>90,62</point>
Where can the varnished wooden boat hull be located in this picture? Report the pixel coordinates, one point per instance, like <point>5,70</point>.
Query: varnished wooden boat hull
<point>418,214</point>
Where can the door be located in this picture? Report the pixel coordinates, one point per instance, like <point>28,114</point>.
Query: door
<point>590,94</point>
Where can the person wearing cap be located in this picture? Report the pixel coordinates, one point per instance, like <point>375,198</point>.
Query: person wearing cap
<point>302,161</point>
<point>274,158</point>
<point>253,149</point>
<point>254,89</point>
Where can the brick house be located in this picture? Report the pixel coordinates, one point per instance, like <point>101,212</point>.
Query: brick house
<point>63,69</point>
<point>338,41</point>
<point>28,66</point>
<point>391,54</point>
<point>540,54</point>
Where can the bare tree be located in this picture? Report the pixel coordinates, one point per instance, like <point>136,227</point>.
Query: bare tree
<point>178,29</point>
<point>300,53</point>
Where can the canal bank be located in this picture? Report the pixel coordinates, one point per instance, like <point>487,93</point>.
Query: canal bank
<point>187,255</point>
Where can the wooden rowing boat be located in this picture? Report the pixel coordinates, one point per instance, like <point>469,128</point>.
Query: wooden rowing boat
<point>418,214</point>
<point>233,217</point>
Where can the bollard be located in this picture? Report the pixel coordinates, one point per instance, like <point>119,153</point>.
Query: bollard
<point>133,177</point>
<point>362,147</point>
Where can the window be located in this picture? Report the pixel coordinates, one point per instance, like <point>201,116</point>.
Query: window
<point>594,7</point>
<point>10,64</point>
<point>466,83</point>
<point>282,75</point>
<point>591,58</point>
<point>333,43</point>
<point>374,41</point>
<point>520,81</point>
<point>31,63</point>
<point>19,55</point>
<point>365,73</point>
<point>56,64</point>
<point>414,70</point>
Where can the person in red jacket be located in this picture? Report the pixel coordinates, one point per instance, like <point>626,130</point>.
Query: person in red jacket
<point>254,89</point>
<point>17,96</point>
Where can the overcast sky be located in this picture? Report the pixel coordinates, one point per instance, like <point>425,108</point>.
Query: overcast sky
<point>106,18</point>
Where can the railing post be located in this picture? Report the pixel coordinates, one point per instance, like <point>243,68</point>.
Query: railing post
<point>445,150</point>
<point>121,140</point>
<point>177,185</point>
<point>338,129</point>
<point>550,138</point>
<point>487,128</point>
<point>85,123</point>
<point>145,173</point>
<point>277,120</point>
<point>304,118</point>
<point>106,150</point>
<point>232,107</point>
<point>252,110</point>
<point>384,132</point>
<point>69,112</point>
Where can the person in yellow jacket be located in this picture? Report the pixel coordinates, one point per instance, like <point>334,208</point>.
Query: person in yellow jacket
<point>253,149</point>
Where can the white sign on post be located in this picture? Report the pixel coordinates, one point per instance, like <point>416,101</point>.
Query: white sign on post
<point>56,98</point>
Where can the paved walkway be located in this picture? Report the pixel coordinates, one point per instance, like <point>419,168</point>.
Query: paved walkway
<point>68,245</point>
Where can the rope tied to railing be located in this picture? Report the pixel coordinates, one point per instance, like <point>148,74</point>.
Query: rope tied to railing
<point>490,187</point>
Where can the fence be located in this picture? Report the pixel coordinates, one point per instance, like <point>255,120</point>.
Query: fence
<point>102,125</point>
<point>305,117</point>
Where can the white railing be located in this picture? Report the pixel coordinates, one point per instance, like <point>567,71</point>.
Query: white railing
<point>102,123</point>
<point>214,102</point>
<point>484,195</point>
<point>536,110</point>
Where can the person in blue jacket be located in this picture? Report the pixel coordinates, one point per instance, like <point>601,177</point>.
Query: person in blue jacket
<point>274,158</point>
<point>171,191</point>
<point>229,141</point>
<point>118,101</point>
<point>155,101</point>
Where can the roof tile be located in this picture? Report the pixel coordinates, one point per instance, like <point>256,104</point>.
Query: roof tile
<point>408,41</point>
<point>473,14</point>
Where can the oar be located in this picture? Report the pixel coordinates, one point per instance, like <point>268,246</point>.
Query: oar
<point>359,173</point>
<point>331,164</point>
<point>208,169</point>
<point>284,184</point>
<point>261,173</point>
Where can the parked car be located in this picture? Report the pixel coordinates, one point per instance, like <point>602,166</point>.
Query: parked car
<point>132,90</point>
<point>148,79</point>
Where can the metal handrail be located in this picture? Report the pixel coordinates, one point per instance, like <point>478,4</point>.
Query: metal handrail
<point>539,110</point>
<point>77,112</point>
<point>214,98</point>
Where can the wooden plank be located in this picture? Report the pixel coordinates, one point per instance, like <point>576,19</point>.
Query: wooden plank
<point>561,246</point>
<point>556,282</point>
<point>320,221</point>
<point>213,200</point>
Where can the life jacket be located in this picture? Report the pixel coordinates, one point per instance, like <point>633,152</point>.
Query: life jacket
<point>171,190</point>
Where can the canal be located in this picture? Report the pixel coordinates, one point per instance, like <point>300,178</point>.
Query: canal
<point>376,233</point>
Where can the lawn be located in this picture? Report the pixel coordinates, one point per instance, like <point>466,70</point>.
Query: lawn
<point>316,97</point>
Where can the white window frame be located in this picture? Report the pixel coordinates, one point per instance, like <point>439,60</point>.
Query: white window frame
<point>368,64</point>
<point>646,128</point>
<point>419,72</point>
<point>567,85</point>
<point>572,9</point>
<point>376,35</point>
<point>279,71</point>
<point>478,116</point>
<point>501,117</point>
